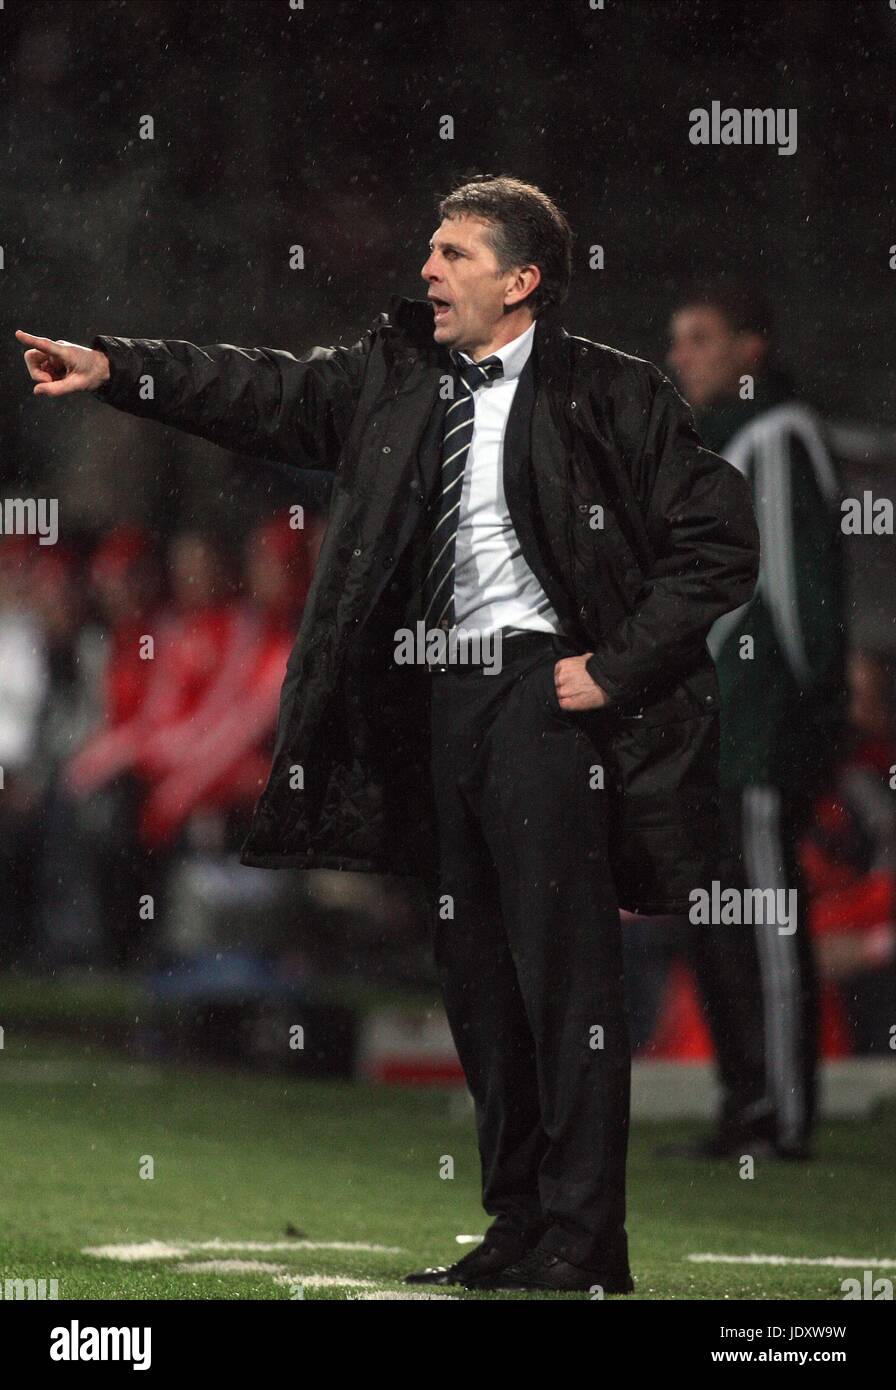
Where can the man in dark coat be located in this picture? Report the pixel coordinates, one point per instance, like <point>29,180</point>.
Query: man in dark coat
<point>501,681</point>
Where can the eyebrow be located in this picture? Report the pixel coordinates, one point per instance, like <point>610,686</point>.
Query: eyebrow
<point>446,246</point>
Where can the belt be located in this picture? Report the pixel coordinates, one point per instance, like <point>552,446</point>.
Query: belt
<point>516,642</point>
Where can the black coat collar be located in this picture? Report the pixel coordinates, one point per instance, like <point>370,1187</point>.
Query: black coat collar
<point>413,318</point>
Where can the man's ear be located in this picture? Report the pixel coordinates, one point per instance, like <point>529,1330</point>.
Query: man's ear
<point>528,277</point>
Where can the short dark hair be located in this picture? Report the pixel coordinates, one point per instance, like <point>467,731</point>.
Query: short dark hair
<point>525,228</point>
<point>741,303</point>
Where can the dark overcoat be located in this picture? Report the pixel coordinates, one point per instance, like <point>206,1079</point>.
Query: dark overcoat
<point>639,536</point>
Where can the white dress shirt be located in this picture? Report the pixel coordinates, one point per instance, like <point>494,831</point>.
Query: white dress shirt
<point>493,585</point>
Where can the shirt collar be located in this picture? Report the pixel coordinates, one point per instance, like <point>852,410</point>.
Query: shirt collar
<point>514,355</point>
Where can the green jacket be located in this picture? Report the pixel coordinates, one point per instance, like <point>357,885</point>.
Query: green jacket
<point>783,696</point>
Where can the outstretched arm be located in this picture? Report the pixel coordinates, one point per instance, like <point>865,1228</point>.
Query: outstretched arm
<point>259,401</point>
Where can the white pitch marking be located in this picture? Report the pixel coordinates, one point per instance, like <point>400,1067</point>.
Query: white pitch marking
<point>324,1281</point>
<point>165,1250</point>
<point>146,1250</point>
<point>379,1294</point>
<point>827,1261</point>
<point>261,1245</point>
<point>469,1240</point>
<point>229,1267</point>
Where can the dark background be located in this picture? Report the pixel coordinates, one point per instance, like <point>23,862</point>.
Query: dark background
<point>320,126</point>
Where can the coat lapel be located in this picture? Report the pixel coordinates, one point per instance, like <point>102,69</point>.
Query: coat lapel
<point>521,484</point>
<point>534,475</point>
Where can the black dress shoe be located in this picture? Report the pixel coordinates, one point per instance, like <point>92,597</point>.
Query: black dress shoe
<point>539,1269</point>
<point>484,1261</point>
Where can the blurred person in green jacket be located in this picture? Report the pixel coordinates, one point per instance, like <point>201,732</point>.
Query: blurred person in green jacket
<point>780,660</point>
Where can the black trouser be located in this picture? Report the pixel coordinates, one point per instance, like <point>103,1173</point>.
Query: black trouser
<point>757,984</point>
<point>529,952</point>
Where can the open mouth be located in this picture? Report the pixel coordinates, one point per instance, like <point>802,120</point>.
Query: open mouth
<point>440,307</point>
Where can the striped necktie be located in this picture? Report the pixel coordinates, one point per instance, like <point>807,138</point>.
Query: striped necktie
<point>438,584</point>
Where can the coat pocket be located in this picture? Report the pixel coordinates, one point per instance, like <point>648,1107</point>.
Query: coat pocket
<point>665,826</point>
<point>696,694</point>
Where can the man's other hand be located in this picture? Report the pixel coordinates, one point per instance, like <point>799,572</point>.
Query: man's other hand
<point>575,688</point>
<point>59,367</point>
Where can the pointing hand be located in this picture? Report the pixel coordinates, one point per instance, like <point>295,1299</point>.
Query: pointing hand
<point>59,367</point>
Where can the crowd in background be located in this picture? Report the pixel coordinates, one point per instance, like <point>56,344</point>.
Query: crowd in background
<point>139,688</point>
<point>848,859</point>
<point>120,771</point>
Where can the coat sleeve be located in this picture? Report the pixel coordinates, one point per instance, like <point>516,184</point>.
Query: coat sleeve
<point>258,401</point>
<point>699,516</point>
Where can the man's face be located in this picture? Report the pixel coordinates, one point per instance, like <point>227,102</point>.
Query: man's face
<point>708,356</point>
<point>462,274</point>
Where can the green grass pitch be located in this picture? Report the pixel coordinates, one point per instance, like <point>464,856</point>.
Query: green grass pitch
<point>244,1158</point>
